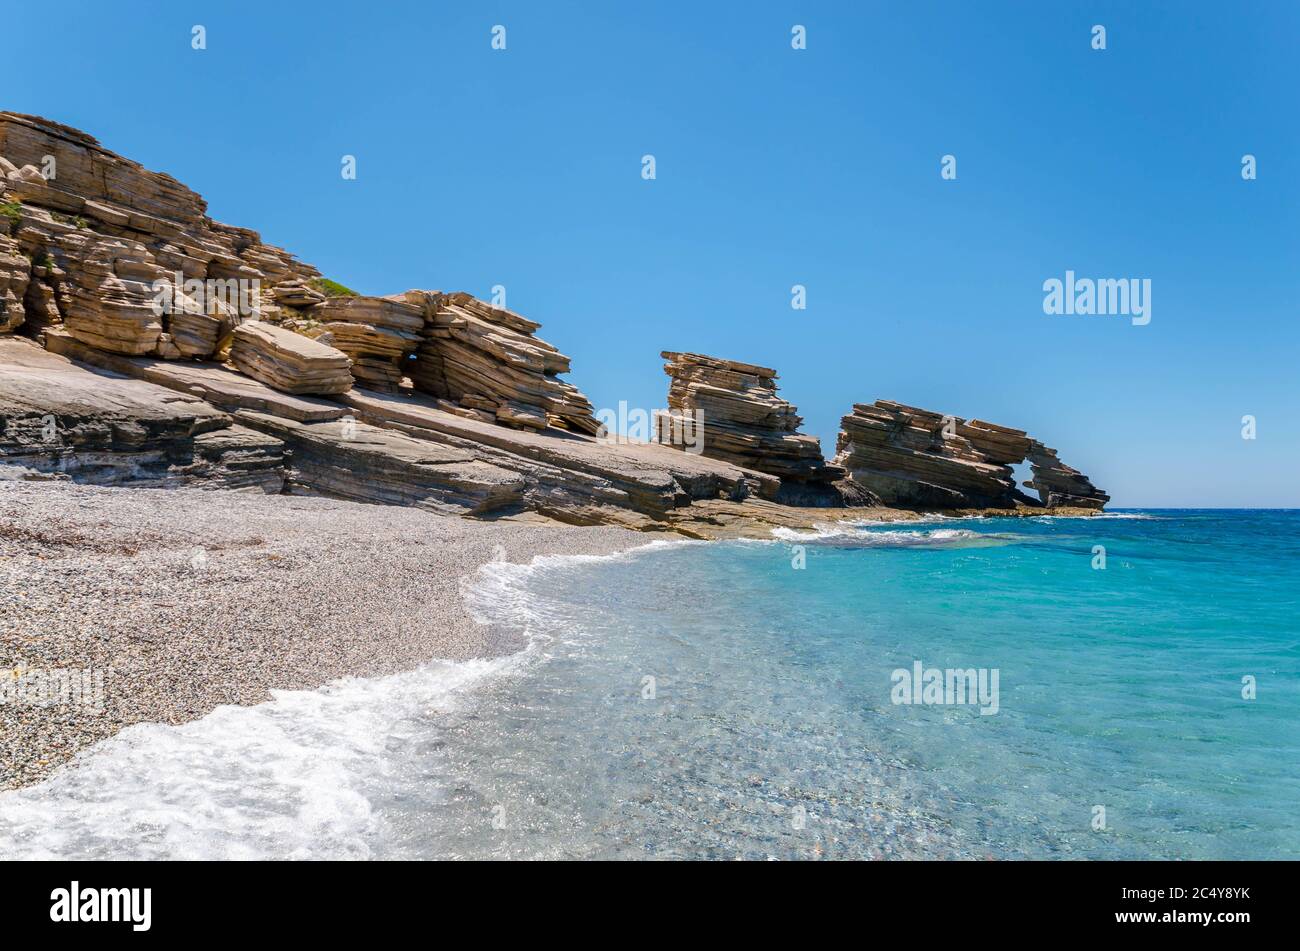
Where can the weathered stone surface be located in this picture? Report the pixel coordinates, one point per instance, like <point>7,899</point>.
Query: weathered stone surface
<point>221,386</point>
<point>487,358</point>
<point>365,463</point>
<point>570,476</point>
<point>296,293</point>
<point>15,273</point>
<point>39,304</point>
<point>120,244</point>
<point>916,457</point>
<point>62,421</point>
<point>1060,485</point>
<point>288,361</point>
<point>377,333</point>
<point>743,420</point>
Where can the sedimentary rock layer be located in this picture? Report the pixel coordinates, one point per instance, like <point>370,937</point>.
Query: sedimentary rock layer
<point>119,268</point>
<point>404,449</point>
<point>115,251</point>
<point>60,421</point>
<point>743,420</point>
<point>377,333</point>
<point>917,457</point>
<point>488,360</point>
<point>289,362</point>
<point>1059,484</point>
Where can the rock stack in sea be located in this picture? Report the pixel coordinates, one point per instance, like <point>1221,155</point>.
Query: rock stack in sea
<point>911,456</point>
<point>289,362</point>
<point>1059,484</point>
<point>378,333</point>
<point>743,420</point>
<point>917,457</point>
<point>107,242</point>
<point>487,361</point>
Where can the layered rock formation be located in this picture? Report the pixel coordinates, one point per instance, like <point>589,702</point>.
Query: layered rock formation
<point>920,458</point>
<point>377,333</point>
<point>1060,485</point>
<point>118,253</point>
<point>489,361</point>
<point>374,447</point>
<point>60,421</point>
<point>743,420</point>
<point>184,350</point>
<point>289,362</point>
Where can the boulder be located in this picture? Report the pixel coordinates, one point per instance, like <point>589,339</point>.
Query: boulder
<point>289,362</point>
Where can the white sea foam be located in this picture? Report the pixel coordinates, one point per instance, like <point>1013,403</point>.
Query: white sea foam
<point>853,534</point>
<point>290,778</point>
<point>295,777</point>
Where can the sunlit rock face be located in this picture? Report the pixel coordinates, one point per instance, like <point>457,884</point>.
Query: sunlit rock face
<point>916,457</point>
<point>126,259</point>
<point>742,420</point>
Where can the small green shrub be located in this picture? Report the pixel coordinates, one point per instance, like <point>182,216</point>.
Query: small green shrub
<point>75,220</point>
<point>332,288</point>
<point>13,210</point>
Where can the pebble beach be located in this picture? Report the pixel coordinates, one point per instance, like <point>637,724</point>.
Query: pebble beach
<point>178,601</point>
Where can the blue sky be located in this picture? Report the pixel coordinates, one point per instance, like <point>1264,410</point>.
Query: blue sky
<point>775,167</point>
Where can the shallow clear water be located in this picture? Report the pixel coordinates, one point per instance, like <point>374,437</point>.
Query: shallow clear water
<point>768,728</point>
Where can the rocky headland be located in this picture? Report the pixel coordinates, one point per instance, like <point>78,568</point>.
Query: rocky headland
<point>147,344</point>
<point>251,405</point>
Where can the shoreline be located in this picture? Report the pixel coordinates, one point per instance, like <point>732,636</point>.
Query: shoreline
<point>183,600</point>
<point>176,601</point>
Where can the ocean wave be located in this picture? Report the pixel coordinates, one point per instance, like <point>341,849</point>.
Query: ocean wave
<point>497,593</point>
<point>294,777</point>
<point>849,535</point>
<point>1143,516</point>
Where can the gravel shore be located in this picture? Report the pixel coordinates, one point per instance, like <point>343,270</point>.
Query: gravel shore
<point>184,599</point>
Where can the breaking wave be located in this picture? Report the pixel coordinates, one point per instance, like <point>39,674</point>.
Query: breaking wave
<point>853,535</point>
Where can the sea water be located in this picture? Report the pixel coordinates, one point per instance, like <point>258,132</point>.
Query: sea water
<point>744,700</point>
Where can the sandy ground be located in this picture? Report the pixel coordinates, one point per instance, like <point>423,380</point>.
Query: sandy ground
<point>184,599</point>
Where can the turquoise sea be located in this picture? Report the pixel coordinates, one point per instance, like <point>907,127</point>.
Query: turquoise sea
<point>713,700</point>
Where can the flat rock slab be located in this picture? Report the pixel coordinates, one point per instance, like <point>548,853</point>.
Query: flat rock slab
<point>288,361</point>
<point>35,383</point>
<point>60,420</point>
<point>654,478</point>
<point>214,382</point>
<point>365,463</point>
